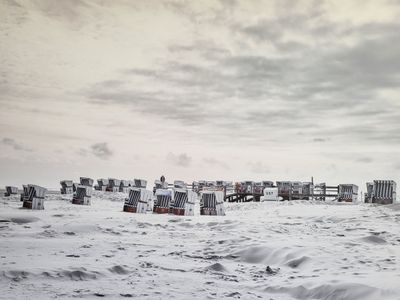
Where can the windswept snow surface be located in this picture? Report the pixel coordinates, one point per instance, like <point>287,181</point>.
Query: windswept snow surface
<point>313,250</point>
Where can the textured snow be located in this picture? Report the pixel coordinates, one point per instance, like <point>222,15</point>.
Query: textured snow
<point>313,250</point>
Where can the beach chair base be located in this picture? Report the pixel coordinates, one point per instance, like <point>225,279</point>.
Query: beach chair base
<point>383,201</point>
<point>114,189</point>
<point>84,201</point>
<point>27,204</point>
<point>208,212</point>
<point>178,211</point>
<point>130,209</point>
<point>161,210</point>
<point>36,203</point>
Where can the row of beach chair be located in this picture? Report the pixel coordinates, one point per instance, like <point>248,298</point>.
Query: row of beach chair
<point>178,200</point>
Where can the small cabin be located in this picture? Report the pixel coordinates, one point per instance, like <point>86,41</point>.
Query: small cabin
<point>284,189</point>
<point>83,195</point>
<point>347,193</point>
<point>101,184</point>
<point>381,192</point>
<point>183,201</point>
<point>270,194</point>
<point>290,190</point>
<point>11,190</point>
<point>245,187</point>
<point>138,201</point>
<point>307,190</point>
<point>66,187</point>
<point>163,201</point>
<point>140,183</point>
<point>35,197</point>
<point>297,190</point>
<point>212,203</point>
<point>219,183</point>
<point>113,185</point>
<point>260,186</point>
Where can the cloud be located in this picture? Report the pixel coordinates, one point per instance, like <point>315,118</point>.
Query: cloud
<point>365,159</point>
<point>182,160</point>
<point>215,163</point>
<point>227,90</point>
<point>82,152</point>
<point>14,144</point>
<point>319,140</point>
<point>101,150</point>
<point>259,167</point>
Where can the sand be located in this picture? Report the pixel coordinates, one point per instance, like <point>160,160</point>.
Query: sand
<point>285,250</point>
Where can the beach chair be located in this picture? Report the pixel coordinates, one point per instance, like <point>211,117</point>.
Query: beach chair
<point>75,186</point>
<point>384,192</point>
<point>11,190</point>
<point>113,185</point>
<point>140,183</point>
<point>35,197</point>
<point>86,181</point>
<point>101,184</point>
<point>66,187</point>
<point>83,195</point>
<point>124,186</point>
<point>163,199</point>
<point>347,193</point>
<point>212,203</point>
<point>25,193</point>
<point>138,200</point>
<point>270,194</point>
<point>183,202</point>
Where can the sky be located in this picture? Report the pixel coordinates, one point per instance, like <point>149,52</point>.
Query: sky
<point>199,90</point>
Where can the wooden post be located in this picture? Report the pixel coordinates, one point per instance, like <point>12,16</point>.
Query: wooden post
<point>312,188</point>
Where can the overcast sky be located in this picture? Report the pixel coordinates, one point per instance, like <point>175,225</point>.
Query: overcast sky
<point>231,90</point>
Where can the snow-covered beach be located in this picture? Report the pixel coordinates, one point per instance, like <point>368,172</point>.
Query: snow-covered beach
<point>313,250</point>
